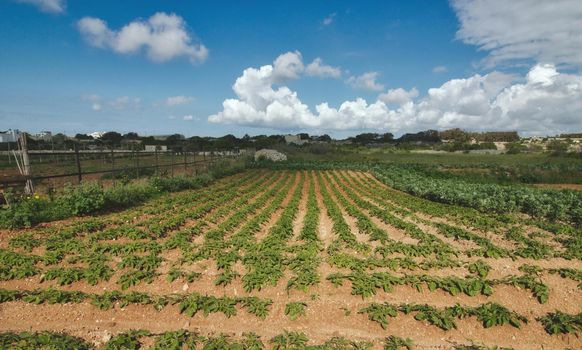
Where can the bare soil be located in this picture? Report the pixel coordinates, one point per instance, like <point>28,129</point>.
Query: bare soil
<point>331,311</point>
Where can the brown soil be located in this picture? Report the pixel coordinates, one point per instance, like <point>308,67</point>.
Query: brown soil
<point>560,186</point>
<point>332,311</point>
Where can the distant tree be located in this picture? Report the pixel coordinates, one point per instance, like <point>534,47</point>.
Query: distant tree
<point>59,138</point>
<point>387,137</point>
<point>323,138</point>
<point>111,138</point>
<point>303,136</point>
<point>422,136</point>
<point>174,139</point>
<point>455,134</point>
<point>366,138</point>
<point>83,137</point>
<point>131,136</point>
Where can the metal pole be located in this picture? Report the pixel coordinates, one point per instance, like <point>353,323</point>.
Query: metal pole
<point>79,174</point>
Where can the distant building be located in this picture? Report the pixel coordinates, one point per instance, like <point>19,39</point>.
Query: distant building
<point>96,134</point>
<point>9,135</point>
<point>153,148</point>
<point>295,140</point>
<point>42,136</point>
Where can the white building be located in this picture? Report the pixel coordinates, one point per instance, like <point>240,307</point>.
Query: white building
<point>153,148</point>
<point>96,134</point>
<point>43,135</point>
<point>9,135</point>
<point>294,139</point>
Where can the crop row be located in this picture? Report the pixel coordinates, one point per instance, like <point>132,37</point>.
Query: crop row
<point>188,304</point>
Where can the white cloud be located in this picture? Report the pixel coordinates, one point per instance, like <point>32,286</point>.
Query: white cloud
<point>398,96</point>
<point>288,66</point>
<point>187,118</point>
<point>366,81</point>
<point>126,102</point>
<point>439,69</point>
<point>50,6</point>
<point>163,36</point>
<point>329,19</point>
<point>544,101</point>
<point>95,101</point>
<point>179,100</point>
<point>522,30</point>
<point>318,69</point>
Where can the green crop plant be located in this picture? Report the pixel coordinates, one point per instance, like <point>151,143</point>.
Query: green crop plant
<point>479,268</point>
<point>126,341</point>
<point>295,309</point>
<point>396,343</point>
<point>561,323</point>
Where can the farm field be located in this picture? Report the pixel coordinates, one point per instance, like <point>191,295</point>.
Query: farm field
<point>289,258</point>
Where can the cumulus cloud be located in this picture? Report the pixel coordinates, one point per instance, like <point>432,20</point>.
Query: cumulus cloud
<point>517,30</point>
<point>288,66</point>
<point>544,101</point>
<point>178,100</point>
<point>163,37</point>
<point>366,81</point>
<point>49,6</point>
<point>439,69</point>
<point>398,96</point>
<point>318,69</point>
<point>329,19</point>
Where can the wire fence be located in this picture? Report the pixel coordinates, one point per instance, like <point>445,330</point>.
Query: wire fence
<point>52,169</point>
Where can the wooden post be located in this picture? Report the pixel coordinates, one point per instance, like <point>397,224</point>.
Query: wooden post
<point>28,189</point>
<point>137,162</point>
<point>78,161</point>
<point>112,161</point>
<point>157,162</point>
<point>185,161</point>
<point>173,154</point>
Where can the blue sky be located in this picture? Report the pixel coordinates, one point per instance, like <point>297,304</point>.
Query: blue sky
<point>55,76</point>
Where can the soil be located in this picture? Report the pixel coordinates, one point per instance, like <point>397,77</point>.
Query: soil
<point>331,311</point>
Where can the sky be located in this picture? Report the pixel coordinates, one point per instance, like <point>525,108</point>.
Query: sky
<point>264,67</point>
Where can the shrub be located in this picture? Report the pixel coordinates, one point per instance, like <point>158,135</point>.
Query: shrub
<point>83,199</point>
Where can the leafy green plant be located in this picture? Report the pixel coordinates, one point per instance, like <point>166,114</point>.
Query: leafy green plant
<point>126,341</point>
<point>42,340</point>
<point>178,340</point>
<point>395,343</point>
<point>479,268</point>
<point>380,313</point>
<point>295,309</point>
<point>561,323</point>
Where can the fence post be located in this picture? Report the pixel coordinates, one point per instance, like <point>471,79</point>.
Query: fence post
<point>29,189</point>
<point>173,154</point>
<point>185,160</point>
<point>78,161</point>
<point>112,162</point>
<point>157,162</point>
<point>137,162</point>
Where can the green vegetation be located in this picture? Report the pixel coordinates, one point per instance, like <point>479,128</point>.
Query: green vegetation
<point>92,198</point>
